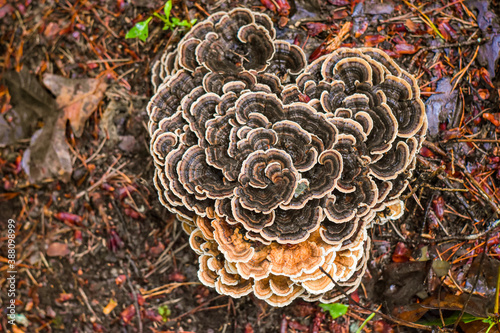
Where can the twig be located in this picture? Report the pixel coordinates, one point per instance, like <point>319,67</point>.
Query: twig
<point>426,19</point>
<point>474,284</point>
<point>106,176</point>
<point>86,301</point>
<point>464,70</point>
<point>96,152</point>
<point>136,303</point>
<point>444,46</point>
<point>199,307</point>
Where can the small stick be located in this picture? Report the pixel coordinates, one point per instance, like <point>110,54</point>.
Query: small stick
<point>444,46</point>
<point>474,285</point>
<point>136,303</point>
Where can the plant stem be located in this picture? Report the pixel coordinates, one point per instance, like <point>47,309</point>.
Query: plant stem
<point>365,322</point>
<point>497,291</point>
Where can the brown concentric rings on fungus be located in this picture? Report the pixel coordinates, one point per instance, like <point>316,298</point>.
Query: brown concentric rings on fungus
<point>277,167</point>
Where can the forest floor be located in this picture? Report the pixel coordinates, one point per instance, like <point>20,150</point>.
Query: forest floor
<point>96,252</point>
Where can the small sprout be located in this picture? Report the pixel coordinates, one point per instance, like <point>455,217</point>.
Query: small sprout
<point>140,30</point>
<point>335,309</point>
<point>164,312</point>
<point>167,8</point>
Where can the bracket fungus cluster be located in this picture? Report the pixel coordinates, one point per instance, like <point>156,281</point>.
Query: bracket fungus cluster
<point>277,167</point>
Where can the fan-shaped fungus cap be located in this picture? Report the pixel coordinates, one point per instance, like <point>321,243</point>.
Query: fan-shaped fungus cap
<point>276,167</point>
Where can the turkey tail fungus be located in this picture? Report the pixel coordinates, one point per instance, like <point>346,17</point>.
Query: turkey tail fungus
<point>276,167</point>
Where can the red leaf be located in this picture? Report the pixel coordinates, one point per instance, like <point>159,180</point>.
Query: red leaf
<point>120,279</point>
<point>128,314</point>
<point>320,50</point>
<point>381,326</point>
<point>401,253</point>
<point>360,29</point>
<point>283,7</point>
<point>426,152</point>
<point>315,28</point>
<point>269,4</point>
<point>340,14</point>
<point>438,207</point>
<point>68,218</point>
<point>177,277</point>
<point>493,118</point>
<point>404,48</point>
<point>248,328</point>
<point>372,40</point>
<point>63,297</point>
<point>153,315</point>
<point>155,251</point>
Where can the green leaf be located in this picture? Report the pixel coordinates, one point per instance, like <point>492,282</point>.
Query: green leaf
<point>185,23</point>
<point>164,312</point>
<point>335,309</point>
<point>139,30</point>
<point>167,8</point>
<point>168,25</point>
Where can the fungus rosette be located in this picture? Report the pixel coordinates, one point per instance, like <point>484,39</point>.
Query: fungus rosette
<point>277,167</point>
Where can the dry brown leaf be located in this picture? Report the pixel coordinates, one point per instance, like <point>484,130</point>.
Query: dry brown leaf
<point>78,98</point>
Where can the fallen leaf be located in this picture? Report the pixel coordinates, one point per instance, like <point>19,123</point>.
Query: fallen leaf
<point>477,327</point>
<point>63,297</point>
<point>27,93</point>
<point>401,253</point>
<point>372,40</point>
<point>410,25</point>
<point>440,107</point>
<point>30,102</point>
<point>484,93</point>
<point>57,250</point>
<point>78,98</point>
<point>70,219</point>
<point>51,30</point>
<point>359,26</point>
<point>404,48</point>
<point>155,251</point>
<point>493,118</point>
<point>128,314</point>
<point>248,328</point>
<point>48,154</point>
<point>16,329</point>
<point>5,10</point>
<point>440,267</point>
<point>402,281</point>
<point>108,308</point>
<point>487,21</point>
<point>315,28</point>
<point>377,7</point>
<point>120,279</point>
